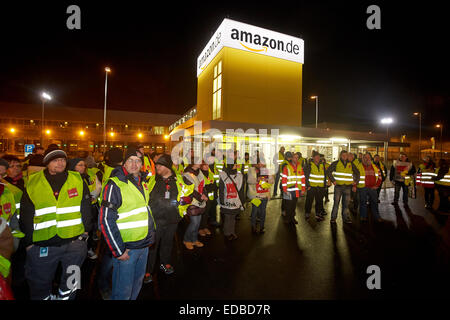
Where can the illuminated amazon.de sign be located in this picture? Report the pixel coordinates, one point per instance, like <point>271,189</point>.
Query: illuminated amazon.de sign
<point>246,37</point>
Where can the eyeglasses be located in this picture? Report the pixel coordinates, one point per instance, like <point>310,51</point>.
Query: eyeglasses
<point>137,161</point>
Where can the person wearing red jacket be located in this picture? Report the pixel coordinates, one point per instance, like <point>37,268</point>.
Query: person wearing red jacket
<point>369,181</point>
<point>293,184</point>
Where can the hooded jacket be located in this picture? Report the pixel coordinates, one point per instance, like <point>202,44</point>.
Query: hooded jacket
<point>111,201</point>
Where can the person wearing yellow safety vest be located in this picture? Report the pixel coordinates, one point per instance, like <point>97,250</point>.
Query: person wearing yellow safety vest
<point>95,186</point>
<point>212,212</point>
<point>259,183</point>
<point>35,165</point>
<point>344,175</point>
<point>148,165</point>
<point>328,182</point>
<point>315,180</point>
<point>127,225</point>
<point>401,174</point>
<point>6,251</point>
<point>198,206</point>
<point>278,159</point>
<point>425,174</point>
<point>369,181</point>
<point>442,183</point>
<point>169,199</point>
<point>210,186</point>
<point>293,183</point>
<point>55,216</point>
<point>113,159</point>
<point>9,211</point>
<point>383,170</point>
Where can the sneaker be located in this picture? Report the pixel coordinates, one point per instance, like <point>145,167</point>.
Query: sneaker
<point>91,254</point>
<point>201,232</point>
<point>168,269</point>
<point>148,278</point>
<point>189,245</point>
<point>198,244</point>
<point>207,232</point>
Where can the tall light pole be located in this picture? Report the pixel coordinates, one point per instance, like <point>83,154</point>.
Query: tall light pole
<point>107,70</point>
<point>317,107</point>
<point>440,126</point>
<point>44,97</point>
<point>420,132</point>
<point>387,122</point>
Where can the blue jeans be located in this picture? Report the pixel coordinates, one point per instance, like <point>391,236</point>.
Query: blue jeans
<point>344,193</point>
<point>372,195</point>
<point>260,212</point>
<point>128,275</point>
<point>191,233</point>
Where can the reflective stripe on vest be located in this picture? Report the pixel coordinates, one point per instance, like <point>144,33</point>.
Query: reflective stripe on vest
<point>317,175</point>
<point>60,217</point>
<point>343,175</point>
<point>294,178</point>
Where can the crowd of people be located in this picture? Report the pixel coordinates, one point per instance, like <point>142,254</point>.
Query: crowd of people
<point>126,208</point>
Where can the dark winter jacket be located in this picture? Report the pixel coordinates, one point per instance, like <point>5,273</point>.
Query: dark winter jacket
<point>111,201</point>
<point>165,211</point>
<point>27,210</point>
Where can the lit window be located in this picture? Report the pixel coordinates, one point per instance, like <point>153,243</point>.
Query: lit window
<point>217,91</point>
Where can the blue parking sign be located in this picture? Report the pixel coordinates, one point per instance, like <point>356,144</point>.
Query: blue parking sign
<point>28,149</point>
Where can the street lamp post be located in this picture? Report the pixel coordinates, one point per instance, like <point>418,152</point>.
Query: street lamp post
<point>107,70</point>
<point>420,132</point>
<point>44,97</point>
<point>387,122</point>
<point>317,107</point>
<point>440,126</point>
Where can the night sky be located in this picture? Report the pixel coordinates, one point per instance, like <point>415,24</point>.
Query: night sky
<point>360,75</point>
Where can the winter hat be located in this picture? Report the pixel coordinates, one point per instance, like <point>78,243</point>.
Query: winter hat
<point>132,152</point>
<point>4,163</point>
<point>165,160</point>
<point>73,163</point>
<point>113,157</point>
<point>288,155</point>
<point>52,154</point>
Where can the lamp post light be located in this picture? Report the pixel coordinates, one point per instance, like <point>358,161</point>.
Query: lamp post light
<point>387,122</point>
<point>44,97</point>
<point>317,107</point>
<point>420,132</point>
<point>439,126</point>
<point>107,70</point>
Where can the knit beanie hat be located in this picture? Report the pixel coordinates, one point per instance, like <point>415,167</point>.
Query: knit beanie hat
<point>73,163</point>
<point>165,160</point>
<point>113,157</point>
<point>52,154</point>
<point>132,152</point>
